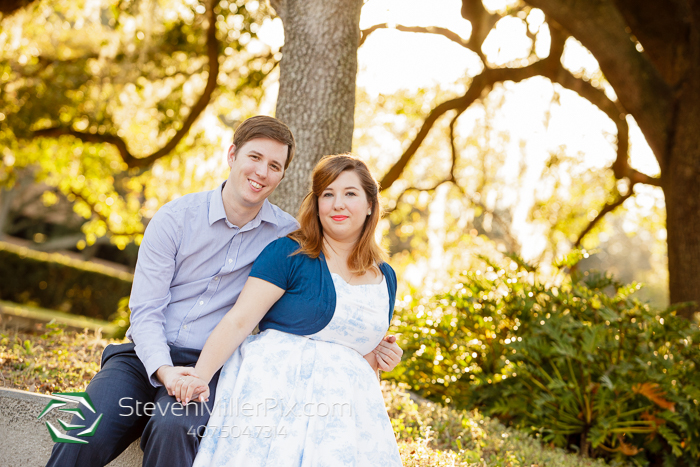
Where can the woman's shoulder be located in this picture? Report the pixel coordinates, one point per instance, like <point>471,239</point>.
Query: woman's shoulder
<point>283,246</point>
<point>387,269</point>
<point>389,274</point>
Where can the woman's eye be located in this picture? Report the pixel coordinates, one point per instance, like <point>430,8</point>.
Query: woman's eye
<point>327,195</point>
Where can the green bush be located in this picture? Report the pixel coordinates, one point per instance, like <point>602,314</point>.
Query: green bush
<point>582,363</point>
<point>56,282</point>
<point>437,435</point>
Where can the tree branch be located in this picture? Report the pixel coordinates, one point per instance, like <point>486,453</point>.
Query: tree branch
<point>8,7</point>
<point>450,178</point>
<point>609,207</point>
<point>552,69</point>
<point>639,86</point>
<point>453,36</point>
<point>504,225</point>
<point>481,20</point>
<point>102,217</point>
<point>201,104</point>
<point>486,79</point>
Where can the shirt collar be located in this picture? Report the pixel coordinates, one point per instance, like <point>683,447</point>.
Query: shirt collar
<point>217,211</point>
<point>216,205</point>
<point>267,214</point>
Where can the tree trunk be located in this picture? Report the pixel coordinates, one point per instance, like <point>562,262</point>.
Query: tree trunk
<point>6,197</point>
<point>317,85</point>
<point>682,192</point>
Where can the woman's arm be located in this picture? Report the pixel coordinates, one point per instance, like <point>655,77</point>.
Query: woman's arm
<point>256,298</point>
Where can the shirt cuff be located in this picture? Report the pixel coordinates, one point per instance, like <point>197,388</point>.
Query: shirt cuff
<point>153,363</point>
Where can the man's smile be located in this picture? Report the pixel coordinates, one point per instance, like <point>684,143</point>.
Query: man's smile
<point>256,186</point>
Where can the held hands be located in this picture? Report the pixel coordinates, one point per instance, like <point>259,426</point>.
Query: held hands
<point>190,388</point>
<point>183,382</point>
<point>388,353</point>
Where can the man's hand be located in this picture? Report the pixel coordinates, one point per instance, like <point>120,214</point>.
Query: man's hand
<point>169,376</point>
<point>388,353</point>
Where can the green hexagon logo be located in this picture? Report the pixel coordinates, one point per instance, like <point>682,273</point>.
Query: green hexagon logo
<point>58,400</point>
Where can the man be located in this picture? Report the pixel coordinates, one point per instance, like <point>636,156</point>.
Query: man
<point>195,257</point>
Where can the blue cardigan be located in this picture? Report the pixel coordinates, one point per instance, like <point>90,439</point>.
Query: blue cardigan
<point>308,303</point>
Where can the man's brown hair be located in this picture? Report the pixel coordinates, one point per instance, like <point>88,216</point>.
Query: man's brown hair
<point>262,126</point>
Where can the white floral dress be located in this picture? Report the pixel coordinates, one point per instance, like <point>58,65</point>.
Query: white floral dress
<point>300,401</point>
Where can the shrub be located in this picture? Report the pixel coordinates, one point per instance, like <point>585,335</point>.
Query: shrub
<point>431,434</point>
<point>56,282</point>
<point>583,363</point>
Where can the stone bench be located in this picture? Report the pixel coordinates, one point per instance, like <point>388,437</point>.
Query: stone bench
<point>25,441</point>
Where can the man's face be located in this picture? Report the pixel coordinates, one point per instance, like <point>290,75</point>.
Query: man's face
<point>257,168</point>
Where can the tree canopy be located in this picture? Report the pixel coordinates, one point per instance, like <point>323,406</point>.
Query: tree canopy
<point>94,95</point>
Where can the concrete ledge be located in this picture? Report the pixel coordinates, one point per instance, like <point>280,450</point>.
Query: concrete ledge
<point>24,440</point>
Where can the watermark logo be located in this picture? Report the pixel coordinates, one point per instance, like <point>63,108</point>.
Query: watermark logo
<point>58,400</point>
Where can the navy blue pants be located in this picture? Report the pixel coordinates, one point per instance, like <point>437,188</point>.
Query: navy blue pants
<point>133,408</point>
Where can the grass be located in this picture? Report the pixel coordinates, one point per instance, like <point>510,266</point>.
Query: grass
<point>429,435</point>
<point>51,362</point>
<point>435,435</point>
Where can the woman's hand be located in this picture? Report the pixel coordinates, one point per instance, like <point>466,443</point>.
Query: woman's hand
<point>169,375</point>
<point>388,353</point>
<point>189,388</point>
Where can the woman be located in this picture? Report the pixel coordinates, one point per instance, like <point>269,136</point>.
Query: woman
<point>300,393</point>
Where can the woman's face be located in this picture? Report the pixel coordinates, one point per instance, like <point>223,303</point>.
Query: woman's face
<point>343,208</point>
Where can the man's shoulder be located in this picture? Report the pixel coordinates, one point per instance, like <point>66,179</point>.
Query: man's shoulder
<point>286,223</point>
<point>188,201</point>
<point>172,215</point>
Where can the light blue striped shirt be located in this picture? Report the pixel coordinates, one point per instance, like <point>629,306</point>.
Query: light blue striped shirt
<point>191,267</point>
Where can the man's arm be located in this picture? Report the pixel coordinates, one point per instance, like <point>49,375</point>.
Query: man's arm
<point>386,355</point>
<point>150,292</point>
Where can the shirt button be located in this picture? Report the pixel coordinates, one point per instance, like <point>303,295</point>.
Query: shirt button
<point>184,327</point>
<point>230,261</point>
<point>201,303</point>
<point>216,278</point>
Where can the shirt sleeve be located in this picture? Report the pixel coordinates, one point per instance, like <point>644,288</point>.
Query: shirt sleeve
<point>274,264</point>
<point>150,292</point>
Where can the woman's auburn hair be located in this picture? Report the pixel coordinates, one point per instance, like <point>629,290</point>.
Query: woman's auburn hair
<point>366,254</point>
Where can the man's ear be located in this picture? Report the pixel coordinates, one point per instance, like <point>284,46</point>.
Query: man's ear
<point>231,155</point>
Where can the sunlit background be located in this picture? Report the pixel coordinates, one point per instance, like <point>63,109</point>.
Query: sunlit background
<point>531,154</point>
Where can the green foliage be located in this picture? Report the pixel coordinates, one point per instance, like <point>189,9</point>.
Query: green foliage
<point>121,318</point>
<point>429,435</point>
<point>55,282</point>
<point>582,362</point>
<point>126,70</point>
<point>436,435</point>
<point>55,361</point>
